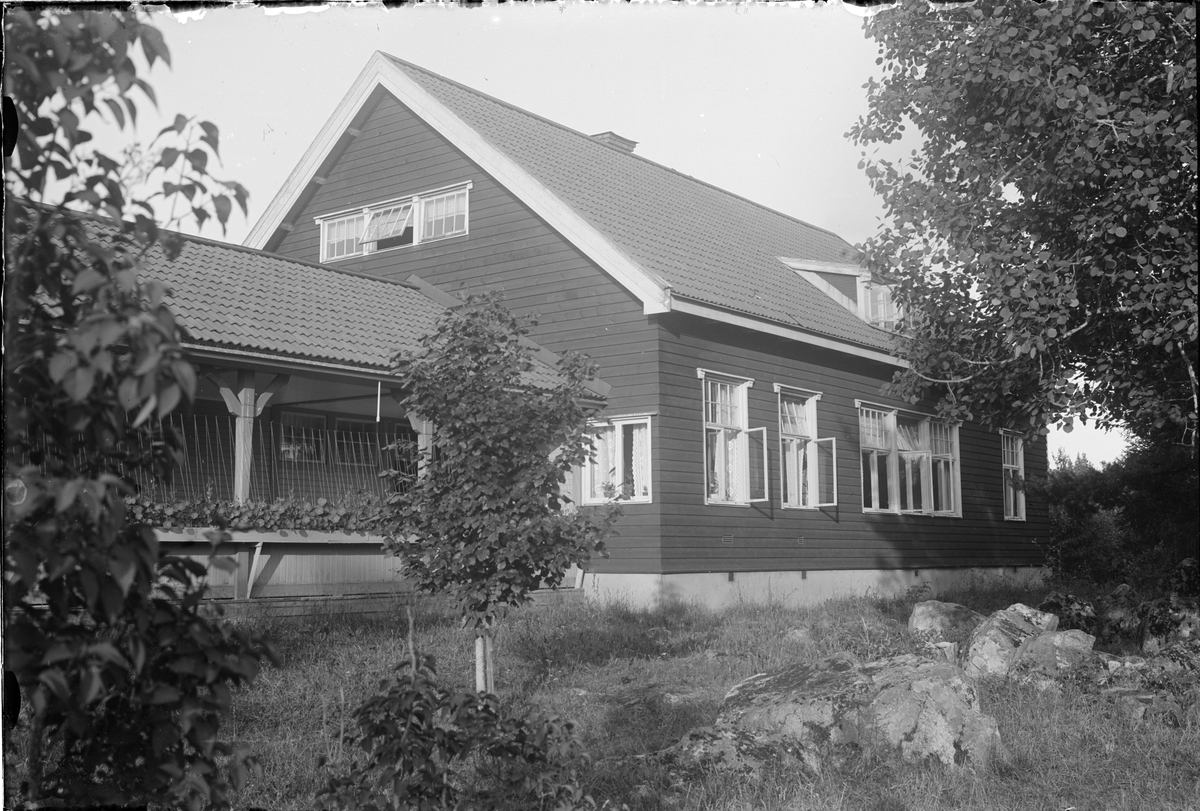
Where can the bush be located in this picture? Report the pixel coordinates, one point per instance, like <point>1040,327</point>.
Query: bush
<point>416,731</point>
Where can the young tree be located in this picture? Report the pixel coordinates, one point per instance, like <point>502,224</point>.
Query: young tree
<point>1042,239</point>
<point>485,520</point>
<point>127,679</point>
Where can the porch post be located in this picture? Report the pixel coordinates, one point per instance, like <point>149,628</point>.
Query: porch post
<point>244,406</point>
<point>243,445</point>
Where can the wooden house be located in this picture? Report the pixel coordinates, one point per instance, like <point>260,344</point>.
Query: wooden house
<point>295,401</point>
<point>746,430</point>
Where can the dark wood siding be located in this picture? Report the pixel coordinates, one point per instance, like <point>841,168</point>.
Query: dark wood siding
<point>508,248</point>
<point>768,537</point>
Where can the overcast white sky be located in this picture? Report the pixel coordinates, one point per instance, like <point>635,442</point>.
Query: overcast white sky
<point>755,99</point>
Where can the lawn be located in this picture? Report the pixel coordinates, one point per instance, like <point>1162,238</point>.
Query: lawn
<point>635,681</point>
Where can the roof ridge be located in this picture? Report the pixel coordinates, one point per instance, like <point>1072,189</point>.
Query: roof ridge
<point>632,155</point>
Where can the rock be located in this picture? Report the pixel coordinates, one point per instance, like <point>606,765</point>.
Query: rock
<point>942,622</point>
<point>1039,619</point>
<point>994,643</point>
<point>1074,613</point>
<point>926,710</point>
<point>1052,653</point>
<point>1166,621</point>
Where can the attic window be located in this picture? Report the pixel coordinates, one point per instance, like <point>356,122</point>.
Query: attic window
<point>437,214</point>
<point>876,305</point>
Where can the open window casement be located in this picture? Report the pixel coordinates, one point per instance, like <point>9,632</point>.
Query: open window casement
<point>910,463</point>
<point>735,455</point>
<point>808,466</point>
<point>875,303</point>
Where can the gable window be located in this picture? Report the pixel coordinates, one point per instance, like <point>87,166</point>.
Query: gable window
<point>808,469</point>
<point>910,463</point>
<point>1013,450</point>
<point>735,455</point>
<point>424,217</point>
<point>619,467</point>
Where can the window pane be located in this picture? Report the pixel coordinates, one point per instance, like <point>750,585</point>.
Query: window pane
<point>445,215</point>
<point>756,453</point>
<point>793,417</point>
<point>636,457</point>
<point>885,495</point>
<point>795,466</point>
<point>908,434</point>
<point>602,466</point>
<point>341,236</point>
<point>826,471</point>
<point>873,430</point>
<point>714,459</point>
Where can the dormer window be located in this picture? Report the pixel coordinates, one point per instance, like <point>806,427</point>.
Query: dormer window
<point>857,290</point>
<point>876,305</point>
<point>425,217</point>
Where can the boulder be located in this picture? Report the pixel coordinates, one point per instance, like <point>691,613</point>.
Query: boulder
<point>1052,653</point>
<point>936,621</point>
<point>994,643</point>
<point>1042,620</point>
<point>926,710</point>
<point>1074,613</point>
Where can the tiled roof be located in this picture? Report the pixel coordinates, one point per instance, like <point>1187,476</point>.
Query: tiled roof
<point>709,245</point>
<point>239,298</point>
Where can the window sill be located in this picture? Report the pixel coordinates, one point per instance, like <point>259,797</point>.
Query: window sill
<point>621,501</point>
<point>420,244</point>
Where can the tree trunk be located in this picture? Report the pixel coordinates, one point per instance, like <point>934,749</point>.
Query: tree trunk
<point>485,668</point>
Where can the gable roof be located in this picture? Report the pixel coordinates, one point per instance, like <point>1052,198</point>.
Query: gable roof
<point>675,242</point>
<point>260,306</point>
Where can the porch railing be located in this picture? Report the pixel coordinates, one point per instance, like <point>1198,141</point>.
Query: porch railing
<point>287,461</point>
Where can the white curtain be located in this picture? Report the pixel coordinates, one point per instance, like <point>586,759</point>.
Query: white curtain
<point>641,460</point>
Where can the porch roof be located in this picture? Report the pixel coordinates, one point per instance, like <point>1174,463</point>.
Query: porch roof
<point>246,301</point>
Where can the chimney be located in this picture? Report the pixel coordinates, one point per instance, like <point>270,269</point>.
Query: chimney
<point>615,141</point>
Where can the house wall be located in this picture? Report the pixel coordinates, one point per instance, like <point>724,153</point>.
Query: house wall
<point>508,248</point>
<point>766,537</point>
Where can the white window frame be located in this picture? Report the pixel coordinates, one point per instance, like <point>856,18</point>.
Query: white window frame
<point>732,477</point>
<point>946,456</point>
<point>798,453</point>
<point>889,316</point>
<point>420,204</point>
<point>588,473</point>
<point>1012,463</point>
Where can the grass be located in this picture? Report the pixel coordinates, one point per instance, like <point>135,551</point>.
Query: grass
<point>636,681</point>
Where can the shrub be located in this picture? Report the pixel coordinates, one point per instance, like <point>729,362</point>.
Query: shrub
<point>416,731</point>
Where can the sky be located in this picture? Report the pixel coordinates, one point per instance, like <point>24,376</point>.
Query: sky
<point>753,98</point>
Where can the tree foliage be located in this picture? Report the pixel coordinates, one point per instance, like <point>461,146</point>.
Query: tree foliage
<point>485,519</point>
<point>1127,521</point>
<point>1042,238</point>
<point>127,678</point>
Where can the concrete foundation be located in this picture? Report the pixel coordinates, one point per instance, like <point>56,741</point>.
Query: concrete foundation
<point>721,589</point>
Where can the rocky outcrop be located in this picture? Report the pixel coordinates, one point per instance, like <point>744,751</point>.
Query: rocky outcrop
<point>923,709</point>
<point>1074,613</point>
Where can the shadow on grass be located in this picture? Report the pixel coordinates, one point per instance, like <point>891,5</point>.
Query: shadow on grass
<point>578,635</point>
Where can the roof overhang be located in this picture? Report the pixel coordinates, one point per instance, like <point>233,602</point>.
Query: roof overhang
<point>381,72</point>
<point>783,331</point>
